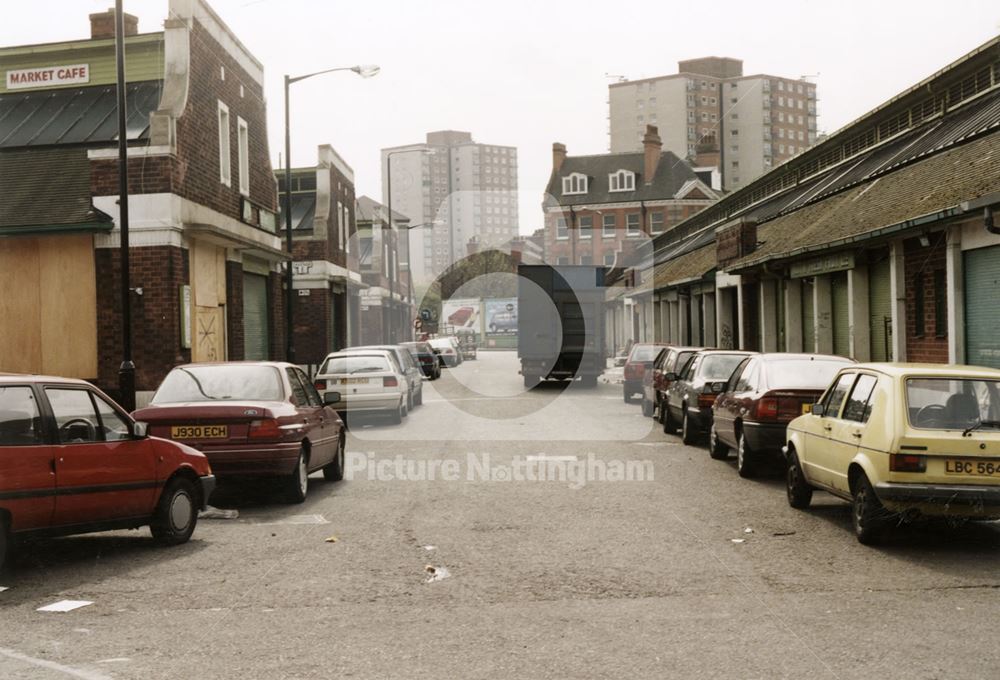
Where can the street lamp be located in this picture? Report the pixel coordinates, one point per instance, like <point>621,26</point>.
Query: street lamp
<point>409,253</point>
<point>388,193</point>
<point>365,71</point>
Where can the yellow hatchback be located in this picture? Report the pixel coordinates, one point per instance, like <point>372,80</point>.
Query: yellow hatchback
<point>900,441</point>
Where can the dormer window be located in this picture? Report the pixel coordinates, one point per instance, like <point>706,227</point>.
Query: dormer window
<point>575,183</point>
<point>623,180</point>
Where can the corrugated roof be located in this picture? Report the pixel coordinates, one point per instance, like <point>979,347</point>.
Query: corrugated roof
<point>47,190</point>
<point>86,115</point>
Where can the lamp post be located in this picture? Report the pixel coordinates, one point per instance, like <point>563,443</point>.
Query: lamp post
<point>409,254</point>
<point>391,222</point>
<point>126,372</point>
<point>366,71</point>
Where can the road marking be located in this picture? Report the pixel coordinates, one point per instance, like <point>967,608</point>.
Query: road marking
<point>64,606</point>
<point>296,519</point>
<point>117,659</point>
<point>53,666</point>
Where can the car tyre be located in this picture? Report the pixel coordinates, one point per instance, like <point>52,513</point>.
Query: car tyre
<point>868,516</point>
<point>176,514</point>
<point>746,465</point>
<point>396,416</point>
<point>334,471</point>
<point>798,490</point>
<point>297,483</point>
<point>647,408</point>
<point>716,449</point>
<point>688,435</point>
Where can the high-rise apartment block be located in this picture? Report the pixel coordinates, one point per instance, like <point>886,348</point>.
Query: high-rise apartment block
<point>452,189</point>
<point>714,116</point>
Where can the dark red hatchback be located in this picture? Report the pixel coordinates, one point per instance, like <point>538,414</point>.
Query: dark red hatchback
<point>252,419</point>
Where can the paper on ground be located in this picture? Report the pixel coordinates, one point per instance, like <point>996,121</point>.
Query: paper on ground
<point>64,606</point>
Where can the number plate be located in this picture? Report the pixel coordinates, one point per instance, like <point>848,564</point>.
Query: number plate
<point>354,381</point>
<point>199,432</point>
<point>807,408</point>
<point>973,468</point>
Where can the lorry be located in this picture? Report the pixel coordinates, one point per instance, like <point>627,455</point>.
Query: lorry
<point>561,323</point>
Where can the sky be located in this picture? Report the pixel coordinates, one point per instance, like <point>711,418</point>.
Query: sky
<point>530,73</point>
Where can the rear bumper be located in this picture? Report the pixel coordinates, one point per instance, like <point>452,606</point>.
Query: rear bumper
<point>253,460</point>
<point>358,403</point>
<point>765,437</point>
<point>208,483</point>
<point>939,494</point>
<point>633,387</point>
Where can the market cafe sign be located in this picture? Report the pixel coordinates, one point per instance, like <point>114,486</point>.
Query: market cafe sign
<point>70,74</point>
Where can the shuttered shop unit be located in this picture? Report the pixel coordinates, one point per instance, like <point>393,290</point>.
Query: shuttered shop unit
<point>982,306</point>
<point>880,310</point>
<point>255,344</point>
<point>841,314</point>
<point>808,320</point>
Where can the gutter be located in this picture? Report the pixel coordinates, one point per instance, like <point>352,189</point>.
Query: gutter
<point>46,229</point>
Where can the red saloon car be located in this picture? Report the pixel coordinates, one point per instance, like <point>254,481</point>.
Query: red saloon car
<point>252,419</point>
<point>640,359</point>
<point>72,461</point>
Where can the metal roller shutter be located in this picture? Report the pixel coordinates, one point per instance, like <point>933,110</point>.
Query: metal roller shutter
<point>841,314</point>
<point>808,322</point>
<point>982,312</point>
<point>880,310</point>
<point>255,341</point>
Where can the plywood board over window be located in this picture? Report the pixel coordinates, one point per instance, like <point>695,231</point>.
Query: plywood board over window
<point>208,286</point>
<point>49,306</point>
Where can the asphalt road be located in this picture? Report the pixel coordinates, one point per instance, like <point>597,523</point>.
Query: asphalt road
<point>573,577</point>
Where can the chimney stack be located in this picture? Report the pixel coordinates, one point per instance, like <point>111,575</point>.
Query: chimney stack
<point>652,147</point>
<point>102,25</point>
<point>558,156</point>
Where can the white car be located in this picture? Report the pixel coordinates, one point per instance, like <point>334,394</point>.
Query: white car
<point>447,350</point>
<point>369,381</point>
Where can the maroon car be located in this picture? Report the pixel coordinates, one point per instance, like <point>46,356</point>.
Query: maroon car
<point>640,358</point>
<point>655,382</point>
<point>251,419</point>
<point>764,394</point>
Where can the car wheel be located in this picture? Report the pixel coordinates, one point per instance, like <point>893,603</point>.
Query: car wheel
<point>716,449</point>
<point>799,491</point>
<point>647,408</point>
<point>745,463</point>
<point>297,483</point>
<point>4,541</point>
<point>396,416</point>
<point>334,471</point>
<point>688,435</point>
<point>409,403</point>
<point>176,514</point>
<point>869,517</point>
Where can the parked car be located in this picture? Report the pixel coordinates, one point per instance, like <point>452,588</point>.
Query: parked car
<point>414,374</point>
<point>640,358</point>
<point>899,441</point>
<point>251,419</point>
<point>424,356</point>
<point>655,383</point>
<point>764,394</point>
<point>72,461</point>
<point>447,350</point>
<point>369,381</point>
<point>691,394</point>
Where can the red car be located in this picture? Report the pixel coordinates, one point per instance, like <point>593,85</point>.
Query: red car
<point>640,358</point>
<point>252,419</point>
<point>655,383</point>
<point>72,461</point>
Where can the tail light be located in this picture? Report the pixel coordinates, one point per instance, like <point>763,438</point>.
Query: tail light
<point>390,381</point>
<point>767,408</point>
<point>265,429</point>
<point>706,398</point>
<point>905,462</point>
<point>781,408</point>
<point>320,385</point>
<point>634,371</point>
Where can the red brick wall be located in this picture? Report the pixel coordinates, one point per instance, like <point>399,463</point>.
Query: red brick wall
<point>234,311</point>
<point>312,326</point>
<point>276,325</point>
<point>156,334</point>
<point>145,176</point>
<point>922,262</point>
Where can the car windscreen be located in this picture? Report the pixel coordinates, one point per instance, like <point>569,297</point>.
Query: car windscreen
<point>355,363</point>
<point>953,403</point>
<point>220,383</point>
<point>803,374</point>
<point>644,353</point>
<point>719,366</point>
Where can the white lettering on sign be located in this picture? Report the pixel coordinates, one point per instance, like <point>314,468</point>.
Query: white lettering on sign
<point>48,75</point>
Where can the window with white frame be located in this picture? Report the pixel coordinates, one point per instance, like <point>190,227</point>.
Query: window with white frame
<point>243,151</point>
<point>225,162</point>
<point>656,221</point>
<point>609,224</point>
<point>562,260</point>
<point>609,259</point>
<point>347,228</point>
<point>632,223</point>
<point>586,226</point>
<point>623,180</point>
<point>562,231</point>
<point>342,227</point>
<point>575,183</point>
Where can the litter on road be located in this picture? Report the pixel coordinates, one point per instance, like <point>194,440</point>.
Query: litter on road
<point>436,573</point>
<point>331,539</point>
<point>738,540</point>
<point>64,606</point>
<point>211,512</point>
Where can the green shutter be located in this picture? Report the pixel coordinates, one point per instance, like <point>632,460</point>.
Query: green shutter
<point>880,310</point>
<point>982,311</point>
<point>255,345</point>
<point>808,322</point>
<point>841,314</point>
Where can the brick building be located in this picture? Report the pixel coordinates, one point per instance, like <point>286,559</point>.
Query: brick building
<point>327,278</point>
<point>879,243</point>
<point>205,259</point>
<point>386,305</point>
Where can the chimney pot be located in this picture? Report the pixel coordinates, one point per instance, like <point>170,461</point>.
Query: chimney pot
<point>102,24</point>
<point>652,148</point>
<point>558,156</point>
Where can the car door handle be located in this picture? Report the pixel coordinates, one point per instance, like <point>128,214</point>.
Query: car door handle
<point>828,427</point>
<point>856,434</point>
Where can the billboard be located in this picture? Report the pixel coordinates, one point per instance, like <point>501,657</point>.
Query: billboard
<point>500,316</point>
<point>461,313</point>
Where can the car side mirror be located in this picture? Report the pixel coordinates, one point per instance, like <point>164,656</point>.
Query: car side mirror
<point>140,430</point>
<point>817,409</point>
<point>718,387</point>
<point>331,398</point>
<point>670,375</point>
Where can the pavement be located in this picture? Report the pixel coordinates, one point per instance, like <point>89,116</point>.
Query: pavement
<point>491,536</point>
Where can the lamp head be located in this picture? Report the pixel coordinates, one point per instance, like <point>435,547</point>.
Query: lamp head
<point>366,70</point>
